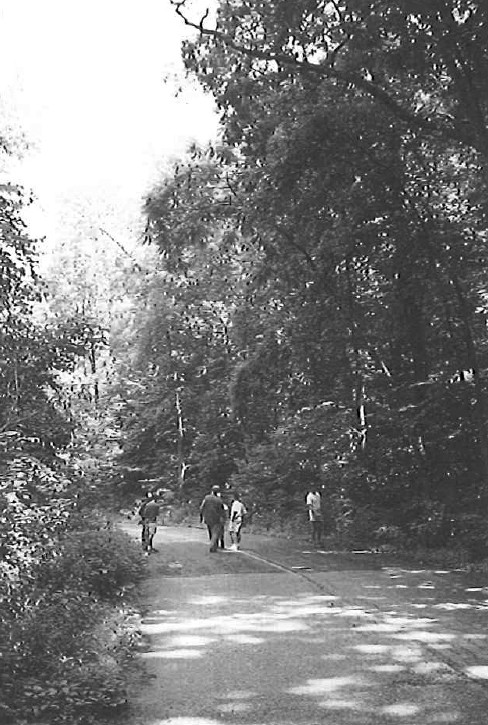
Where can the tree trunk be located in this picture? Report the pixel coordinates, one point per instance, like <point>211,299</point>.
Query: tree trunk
<point>180,441</point>
<point>473,364</point>
<point>359,387</point>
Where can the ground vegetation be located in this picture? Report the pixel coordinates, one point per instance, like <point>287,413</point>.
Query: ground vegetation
<point>66,576</point>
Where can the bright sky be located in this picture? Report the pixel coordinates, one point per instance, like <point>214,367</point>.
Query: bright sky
<point>85,81</point>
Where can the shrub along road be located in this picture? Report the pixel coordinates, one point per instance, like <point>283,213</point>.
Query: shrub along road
<point>309,638</point>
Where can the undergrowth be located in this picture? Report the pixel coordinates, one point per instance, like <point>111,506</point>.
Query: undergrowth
<point>68,629</point>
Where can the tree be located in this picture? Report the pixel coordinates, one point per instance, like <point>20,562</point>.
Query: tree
<point>327,254</point>
<point>423,65</point>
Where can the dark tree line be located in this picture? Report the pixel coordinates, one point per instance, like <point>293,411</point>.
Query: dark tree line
<point>320,312</point>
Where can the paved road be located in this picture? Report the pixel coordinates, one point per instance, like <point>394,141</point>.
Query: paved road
<point>310,638</point>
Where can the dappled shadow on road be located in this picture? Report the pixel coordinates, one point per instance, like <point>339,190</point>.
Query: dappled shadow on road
<point>307,658</point>
<point>441,595</point>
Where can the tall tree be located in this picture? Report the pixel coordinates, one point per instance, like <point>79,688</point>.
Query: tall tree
<point>348,205</point>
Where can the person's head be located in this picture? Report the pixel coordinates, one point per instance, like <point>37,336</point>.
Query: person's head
<point>216,490</point>
<point>236,496</point>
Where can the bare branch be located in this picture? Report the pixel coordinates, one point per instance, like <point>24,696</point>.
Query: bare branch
<point>127,254</point>
<point>230,186</point>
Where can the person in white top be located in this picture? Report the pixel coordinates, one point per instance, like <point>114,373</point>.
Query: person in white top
<point>237,513</point>
<point>313,502</point>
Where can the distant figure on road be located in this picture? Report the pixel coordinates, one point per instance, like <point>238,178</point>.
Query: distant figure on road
<point>212,512</point>
<point>148,514</point>
<point>313,502</point>
<point>237,513</point>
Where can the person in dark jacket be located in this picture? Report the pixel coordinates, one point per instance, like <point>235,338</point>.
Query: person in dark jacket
<point>148,513</point>
<point>212,512</point>
<point>221,543</point>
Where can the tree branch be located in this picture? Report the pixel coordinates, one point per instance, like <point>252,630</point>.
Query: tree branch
<point>128,254</point>
<point>329,71</point>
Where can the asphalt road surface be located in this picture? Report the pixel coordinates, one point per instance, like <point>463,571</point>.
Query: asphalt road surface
<point>277,634</point>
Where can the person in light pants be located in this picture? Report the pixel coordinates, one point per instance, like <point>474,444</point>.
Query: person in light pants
<point>313,502</point>
<point>237,513</point>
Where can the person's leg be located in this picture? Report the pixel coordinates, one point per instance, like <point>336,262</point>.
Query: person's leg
<point>315,533</point>
<point>152,534</point>
<point>312,529</point>
<point>318,535</point>
<point>215,531</point>
<point>321,531</point>
<point>238,536</point>
<point>233,531</point>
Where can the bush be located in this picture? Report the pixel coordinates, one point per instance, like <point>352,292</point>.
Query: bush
<point>63,642</point>
<point>86,683</point>
<point>360,526</point>
<point>101,562</point>
<point>470,531</point>
<point>269,522</point>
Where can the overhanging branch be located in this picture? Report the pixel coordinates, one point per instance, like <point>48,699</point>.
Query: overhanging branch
<point>329,71</point>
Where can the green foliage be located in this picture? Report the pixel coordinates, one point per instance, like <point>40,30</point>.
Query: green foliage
<point>65,630</point>
<point>64,644</point>
<point>323,315</point>
<point>101,564</point>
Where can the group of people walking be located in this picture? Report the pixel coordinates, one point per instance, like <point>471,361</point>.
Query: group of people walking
<point>219,517</point>
<point>215,513</point>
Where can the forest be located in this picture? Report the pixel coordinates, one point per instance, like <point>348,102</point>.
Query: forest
<point>323,313</point>
<point>308,308</point>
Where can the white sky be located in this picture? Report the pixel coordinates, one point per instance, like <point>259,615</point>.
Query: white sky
<point>84,80</point>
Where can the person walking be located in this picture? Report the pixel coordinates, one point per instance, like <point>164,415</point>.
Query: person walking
<point>226,516</point>
<point>237,513</point>
<point>313,502</point>
<point>212,512</point>
<point>148,514</point>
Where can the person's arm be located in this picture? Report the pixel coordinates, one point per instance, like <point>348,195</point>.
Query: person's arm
<point>243,514</point>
